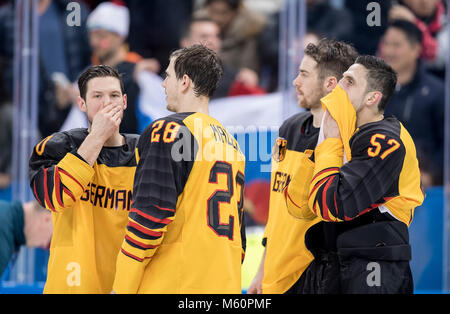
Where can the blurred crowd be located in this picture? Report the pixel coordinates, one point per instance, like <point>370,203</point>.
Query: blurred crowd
<point>137,36</point>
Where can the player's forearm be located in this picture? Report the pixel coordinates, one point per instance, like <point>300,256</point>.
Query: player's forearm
<point>90,148</point>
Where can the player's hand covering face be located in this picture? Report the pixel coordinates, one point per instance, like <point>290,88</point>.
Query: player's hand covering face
<point>102,93</point>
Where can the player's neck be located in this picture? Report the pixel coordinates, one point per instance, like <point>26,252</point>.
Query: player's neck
<point>317,116</point>
<point>192,103</point>
<point>365,117</point>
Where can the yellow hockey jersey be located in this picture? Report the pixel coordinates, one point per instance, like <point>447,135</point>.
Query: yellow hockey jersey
<point>185,232</point>
<point>89,205</point>
<point>286,254</point>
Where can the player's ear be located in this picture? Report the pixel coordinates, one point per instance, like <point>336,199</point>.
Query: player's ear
<point>374,98</point>
<point>186,82</point>
<point>81,104</point>
<point>329,83</point>
<point>125,101</point>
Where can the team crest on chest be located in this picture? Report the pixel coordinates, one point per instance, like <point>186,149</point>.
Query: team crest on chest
<point>279,152</point>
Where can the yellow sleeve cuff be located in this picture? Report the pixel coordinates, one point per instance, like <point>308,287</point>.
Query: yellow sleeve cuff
<point>129,274</point>
<point>329,154</point>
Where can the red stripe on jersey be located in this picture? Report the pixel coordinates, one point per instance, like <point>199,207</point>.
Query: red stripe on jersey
<point>335,205</point>
<point>144,230</point>
<point>373,206</point>
<point>140,244</point>
<point>70,176</point>
<point>47,199</point>
<point>318,185</point>
<point>58,187</point>
<point>286,194</point>
<point>324,171</point>
<point>315,208</point>
<point>133,256</point>
<point>69,194</point>
<point>149,217</point>
<point>166,209</point>
<point>325,209</point>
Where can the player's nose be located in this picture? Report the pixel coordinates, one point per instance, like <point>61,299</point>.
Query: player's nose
<point>296,82</point>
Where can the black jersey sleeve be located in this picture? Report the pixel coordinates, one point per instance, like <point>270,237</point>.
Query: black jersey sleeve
<point>343,192</point>
<point>166,152</point>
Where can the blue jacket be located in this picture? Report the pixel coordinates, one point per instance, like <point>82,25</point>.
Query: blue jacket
<point>420,106</point>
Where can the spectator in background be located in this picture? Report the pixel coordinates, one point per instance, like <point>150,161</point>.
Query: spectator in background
<point>323,21</point>
<point>418,101</point>
<point>22,224</point>
<point>430,17</point>
<point>108,27</point>
<point>156,26</point>
<point>269,46</point>
<point>327,21</point>
<point>363,36</point>
<point>239,31</point>
<point>63,48</point>
<point>64,53</point>
<point>204,30</point>
<point>58,41</point>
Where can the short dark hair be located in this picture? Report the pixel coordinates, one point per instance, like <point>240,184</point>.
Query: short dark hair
<point>233,4</point>
<point>94,72</point>
<point>412,33</point>
<point>380,77</point>
<point>202,65</point>
<point>332,57</point>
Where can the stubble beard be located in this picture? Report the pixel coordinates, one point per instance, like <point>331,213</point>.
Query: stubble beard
<point>315,103</point>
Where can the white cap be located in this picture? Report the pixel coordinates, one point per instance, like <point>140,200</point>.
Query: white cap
<point>111,17</point>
